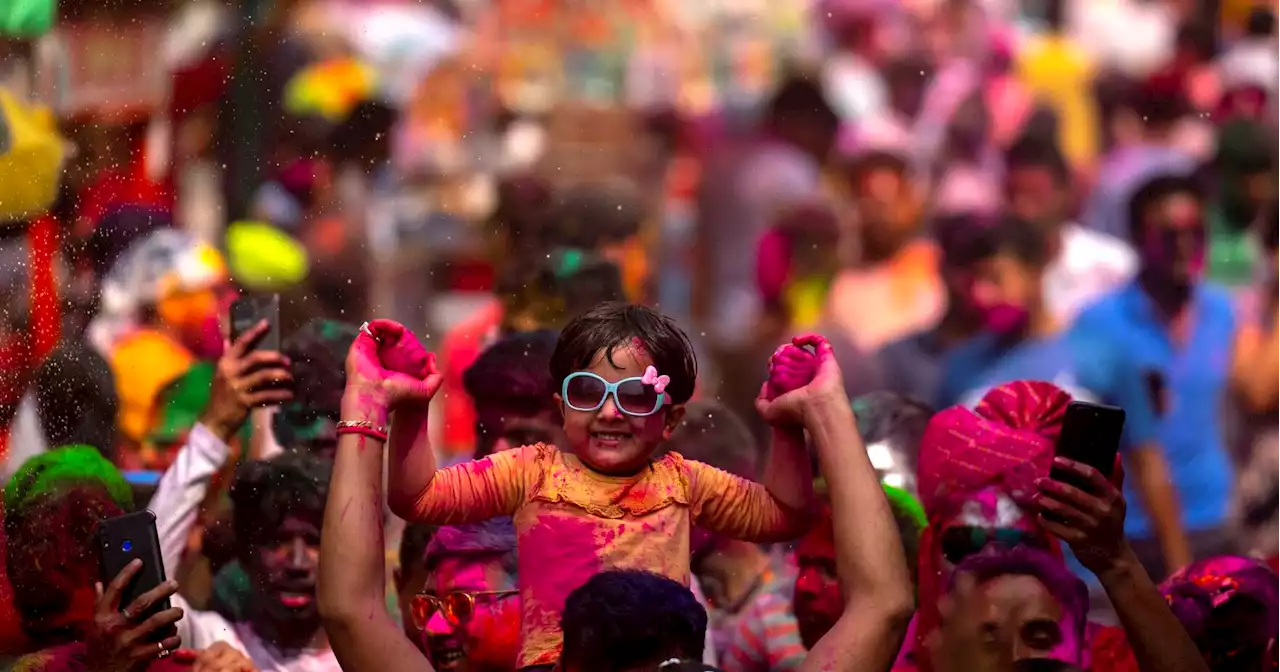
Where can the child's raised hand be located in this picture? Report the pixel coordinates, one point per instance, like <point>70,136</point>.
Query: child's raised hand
<point>825,386</point>
<point>399,349</point>
<point>790,368</point>
<point>387,367</point>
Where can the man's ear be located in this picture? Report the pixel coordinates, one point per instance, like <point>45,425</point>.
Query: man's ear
<point>675,415</point>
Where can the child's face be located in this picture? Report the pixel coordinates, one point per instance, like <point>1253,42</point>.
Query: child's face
<point>606,439</point>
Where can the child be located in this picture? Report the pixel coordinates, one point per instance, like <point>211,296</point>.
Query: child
<point>623,374</point>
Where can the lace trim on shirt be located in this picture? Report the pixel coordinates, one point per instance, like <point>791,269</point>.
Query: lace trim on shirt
<point>566,481</point>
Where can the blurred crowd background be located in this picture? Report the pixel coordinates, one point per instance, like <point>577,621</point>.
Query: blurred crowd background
<point>959,193</point>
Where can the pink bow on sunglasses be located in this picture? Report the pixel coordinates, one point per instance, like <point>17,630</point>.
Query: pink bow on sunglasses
<point>651,377</point>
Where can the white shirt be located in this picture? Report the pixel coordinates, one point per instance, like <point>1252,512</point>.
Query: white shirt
<point>176,504</point>
<point>1090,264</point>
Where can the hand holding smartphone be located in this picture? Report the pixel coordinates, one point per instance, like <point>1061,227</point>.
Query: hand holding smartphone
<point>132,569</point>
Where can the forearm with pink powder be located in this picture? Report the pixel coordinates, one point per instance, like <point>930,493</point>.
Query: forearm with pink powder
<point>788,474</point>
<point>413,462</point>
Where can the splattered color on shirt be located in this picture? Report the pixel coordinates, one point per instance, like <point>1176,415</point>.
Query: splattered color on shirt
<point>573,522</point>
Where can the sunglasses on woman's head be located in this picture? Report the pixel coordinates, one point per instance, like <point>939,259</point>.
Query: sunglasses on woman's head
<point>456,606</point>
<point>585,391</point>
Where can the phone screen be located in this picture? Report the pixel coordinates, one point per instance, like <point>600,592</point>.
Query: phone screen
<point>250,310</point>
<point>1091,434</point>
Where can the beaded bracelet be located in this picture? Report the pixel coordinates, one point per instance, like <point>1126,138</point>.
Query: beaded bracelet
<point>363,428</point>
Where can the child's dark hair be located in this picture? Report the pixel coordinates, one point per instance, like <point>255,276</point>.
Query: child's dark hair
<point>266,492</point>
<point>629,619</point>
<point>614,325</point>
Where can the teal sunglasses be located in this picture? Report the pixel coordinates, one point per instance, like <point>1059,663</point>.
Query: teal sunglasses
<point>585,391</point>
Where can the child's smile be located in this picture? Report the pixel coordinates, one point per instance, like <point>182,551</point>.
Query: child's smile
<point>607,439</point>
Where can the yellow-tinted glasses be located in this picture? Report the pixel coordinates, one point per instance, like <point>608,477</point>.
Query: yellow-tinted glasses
<point>457,606</point>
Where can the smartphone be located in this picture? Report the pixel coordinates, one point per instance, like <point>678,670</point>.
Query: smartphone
<point>122,540</point>
<point>1091,434</point>
<point>249,311</point>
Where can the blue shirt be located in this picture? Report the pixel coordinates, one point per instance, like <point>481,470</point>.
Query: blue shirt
<point>912,365</point>
<point>1194,381</point>
<point>1088,368</point>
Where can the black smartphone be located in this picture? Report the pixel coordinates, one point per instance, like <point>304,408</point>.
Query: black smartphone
<point>1091,434</point>
<point>249,311</point>
<point>122,540</point>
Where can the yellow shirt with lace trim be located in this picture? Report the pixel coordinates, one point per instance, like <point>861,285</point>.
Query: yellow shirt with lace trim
<point>572,522</point>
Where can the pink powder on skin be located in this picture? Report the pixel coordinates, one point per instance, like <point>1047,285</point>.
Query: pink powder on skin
<point>558,553</point>
<point>639,350</point>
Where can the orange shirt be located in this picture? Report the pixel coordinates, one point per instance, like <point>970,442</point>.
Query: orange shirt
<point>572,522</point>
<point>880,304</point>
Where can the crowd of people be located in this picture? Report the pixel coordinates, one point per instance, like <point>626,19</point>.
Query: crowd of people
<point>789,400</point>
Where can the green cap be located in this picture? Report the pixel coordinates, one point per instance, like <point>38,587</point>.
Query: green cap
<point>65,468</point>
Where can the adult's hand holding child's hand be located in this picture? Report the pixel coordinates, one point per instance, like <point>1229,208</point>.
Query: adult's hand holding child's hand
<point>1087,512</point>
<point>818,377</point>
<point>388,367</point>
<point>790,368</point>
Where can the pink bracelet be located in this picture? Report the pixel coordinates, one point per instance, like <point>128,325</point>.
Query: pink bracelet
<point>363,428</point>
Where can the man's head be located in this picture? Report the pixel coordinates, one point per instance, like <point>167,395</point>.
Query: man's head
<point>1008,266</point>
<point>76,398</point>
<point>959,236</point>
<point>52,506</point>
<point>278,508</point>
<point>630,620</point>
<point>886,202</point>
<point>818,601</point>
<point>800,114</point>
<point>1167,226</point>
<point>1037,182</point>
<point>458,596</point>
<point>1032,599</point>
<point>1228,606</point>
<point>317,354</point>
<point>510,383</point>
